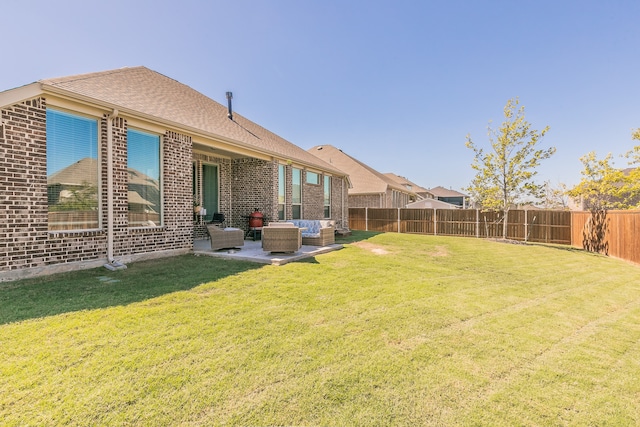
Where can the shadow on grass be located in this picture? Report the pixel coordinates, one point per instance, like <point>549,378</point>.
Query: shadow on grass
<point>101,288</point>
<point>357,236</point>
<point>565,248</point>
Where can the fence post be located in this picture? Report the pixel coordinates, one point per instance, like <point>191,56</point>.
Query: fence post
<point>399,220</point>
<point>526,225</point>
<point>435,221</point>
<point>366,219</point>
<point>477,223</point>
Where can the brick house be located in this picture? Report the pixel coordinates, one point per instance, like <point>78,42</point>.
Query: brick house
<point>107,167</point>
<point>369,188</point>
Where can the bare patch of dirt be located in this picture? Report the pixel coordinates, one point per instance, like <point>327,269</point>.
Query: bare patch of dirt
<point>378,250</point>
<point>439,251</point>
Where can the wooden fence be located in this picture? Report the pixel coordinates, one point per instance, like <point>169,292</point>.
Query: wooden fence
<point>614,233</point>
<point>533,226</point>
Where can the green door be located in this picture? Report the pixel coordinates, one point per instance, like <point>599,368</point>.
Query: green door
<point>210,189</point>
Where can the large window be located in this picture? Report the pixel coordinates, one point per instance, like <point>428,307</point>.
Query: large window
<point>296,193</point>
<point>72,171</point>
<point>143,165</point>
<point>327,196</point>
<point>282,197</point>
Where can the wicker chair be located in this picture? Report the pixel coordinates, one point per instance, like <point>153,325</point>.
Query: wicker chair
<point>222,238</point>
<point>281,237</point>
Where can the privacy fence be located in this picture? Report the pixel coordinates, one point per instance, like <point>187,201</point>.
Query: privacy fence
<point>615,233</point>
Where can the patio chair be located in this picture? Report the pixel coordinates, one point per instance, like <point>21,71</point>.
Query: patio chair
<point>217,218</point>
<point>223,238</point>
<point>281,237</point>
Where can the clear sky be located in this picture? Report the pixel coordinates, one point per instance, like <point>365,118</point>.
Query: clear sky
<point>398,84</point>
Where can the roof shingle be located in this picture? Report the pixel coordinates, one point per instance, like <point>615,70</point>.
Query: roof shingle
<point>141,90</point>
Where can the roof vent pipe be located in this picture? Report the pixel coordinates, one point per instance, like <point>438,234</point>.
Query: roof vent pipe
<point>229,98</point>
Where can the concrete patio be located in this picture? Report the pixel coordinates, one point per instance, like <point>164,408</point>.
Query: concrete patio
<point>252,251</point>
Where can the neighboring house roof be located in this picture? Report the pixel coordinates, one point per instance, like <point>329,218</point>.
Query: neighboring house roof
<point>431,204</point>
<point>81,172</point>
<point>411,186</point>
<point>443,192</point>
<point>141,92</point>
<point>364,179</point>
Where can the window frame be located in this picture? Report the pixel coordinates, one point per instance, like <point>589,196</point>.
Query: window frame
<point>282,192</point>
<point>161,213</point>
<point>326,196</point>
<point>310,174</point>
<point>95,140</point>
<point>296,207</point>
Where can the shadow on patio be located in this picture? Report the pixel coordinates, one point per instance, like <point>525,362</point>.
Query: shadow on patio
<point>252,251</point>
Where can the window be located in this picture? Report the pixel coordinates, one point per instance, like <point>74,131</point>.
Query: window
<point>143,164</point>
<point>72,171</point>
<point>282,197</point>
<point>313,178</point>
<point>296,193</point>
<point>327,196</point>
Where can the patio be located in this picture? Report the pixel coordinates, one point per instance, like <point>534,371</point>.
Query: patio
<point>252,251</point>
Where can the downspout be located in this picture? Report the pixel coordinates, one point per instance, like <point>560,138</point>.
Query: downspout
<point>111,263</point>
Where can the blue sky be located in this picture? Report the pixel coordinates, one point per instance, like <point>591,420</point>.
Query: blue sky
<point>397,84</point>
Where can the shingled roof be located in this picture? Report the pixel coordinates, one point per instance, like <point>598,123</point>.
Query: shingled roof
<point>139,91</point>
<point>443,192</point>
<point>407,183</point>
<point>364,179</point>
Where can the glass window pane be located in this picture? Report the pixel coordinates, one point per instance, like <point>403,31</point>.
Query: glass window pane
<point>281,184</point>
<point>327,190</point>
<point>143,164</point>
<point>296,212</point>
<point>296,178</point>
<point>72,171</point>
<point>327,196</point>
<point>313,178</point>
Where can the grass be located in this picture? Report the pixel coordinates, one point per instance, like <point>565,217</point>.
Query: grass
<point>392,330</point>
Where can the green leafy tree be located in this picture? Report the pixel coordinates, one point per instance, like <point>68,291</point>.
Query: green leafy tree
<point>604,186</point>
<point>505,174</point>
<point>601,185</point>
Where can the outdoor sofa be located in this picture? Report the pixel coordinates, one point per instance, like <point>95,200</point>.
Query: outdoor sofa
<point>316,232</point>
<point>222,238</point>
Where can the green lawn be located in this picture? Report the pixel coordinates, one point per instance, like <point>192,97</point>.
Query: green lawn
<point>392,330</point>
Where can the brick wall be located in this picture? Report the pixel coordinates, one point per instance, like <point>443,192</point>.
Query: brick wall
<point>177,229</point>
<point>312,199</point>
<point>254,186</point>
<point>23,185</point>
<point>27,247</point>
<point>339,202</point>
<point>366,201</point>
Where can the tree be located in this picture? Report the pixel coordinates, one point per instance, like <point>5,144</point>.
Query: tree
<point>555,197</point>
<point>604,186</point>
<point>601,185</point>
<point>505,174</point>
